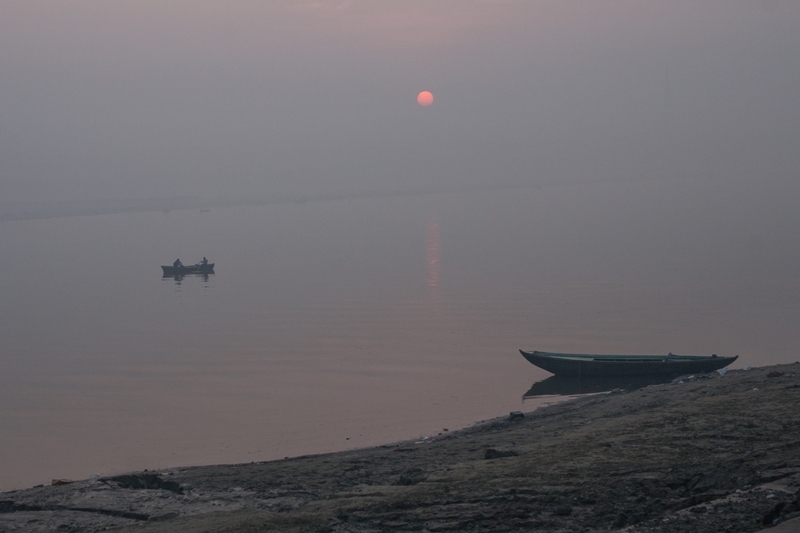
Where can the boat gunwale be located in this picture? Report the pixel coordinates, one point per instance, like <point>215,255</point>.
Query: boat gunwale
<point>624,358</point>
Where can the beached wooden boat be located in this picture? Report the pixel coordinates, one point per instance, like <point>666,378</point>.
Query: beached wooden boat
<point>567,364</point>
<point>187,269</point>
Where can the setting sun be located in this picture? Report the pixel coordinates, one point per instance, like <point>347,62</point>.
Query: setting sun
<point>425,98</point>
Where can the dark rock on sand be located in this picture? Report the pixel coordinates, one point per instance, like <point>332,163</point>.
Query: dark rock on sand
<point>146,481</point>
<point>411,476</point>
<point>491,453</point>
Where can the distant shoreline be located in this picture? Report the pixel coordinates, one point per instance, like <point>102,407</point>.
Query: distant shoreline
<point>80,208</point>
<point>67,209</point>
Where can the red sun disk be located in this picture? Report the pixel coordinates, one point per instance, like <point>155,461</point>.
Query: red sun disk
<point>425,98</point>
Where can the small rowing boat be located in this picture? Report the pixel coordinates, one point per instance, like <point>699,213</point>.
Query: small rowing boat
<point>188,269</point>
<point>568,364</point>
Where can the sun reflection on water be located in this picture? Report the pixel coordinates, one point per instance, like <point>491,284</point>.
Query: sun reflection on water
<point>433,248</point>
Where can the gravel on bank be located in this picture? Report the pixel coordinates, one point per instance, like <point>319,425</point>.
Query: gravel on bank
<point>705,454</point>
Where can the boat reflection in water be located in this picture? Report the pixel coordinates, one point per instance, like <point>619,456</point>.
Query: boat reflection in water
<point>570,386</point>
<point>178,278</point>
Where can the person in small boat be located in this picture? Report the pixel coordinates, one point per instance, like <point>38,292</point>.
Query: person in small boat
<point>177,264</point>
<point>204,262</point>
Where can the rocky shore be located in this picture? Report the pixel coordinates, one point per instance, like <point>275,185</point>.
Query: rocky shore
<point>702,454</point>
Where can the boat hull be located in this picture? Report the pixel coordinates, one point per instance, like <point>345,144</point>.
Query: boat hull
<point>621,365</point>
<point>187,269</point>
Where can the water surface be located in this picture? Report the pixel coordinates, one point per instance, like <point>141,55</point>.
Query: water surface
<point>332,325</point>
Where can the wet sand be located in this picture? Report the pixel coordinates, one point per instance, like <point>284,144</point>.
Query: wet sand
<point>704,454</point>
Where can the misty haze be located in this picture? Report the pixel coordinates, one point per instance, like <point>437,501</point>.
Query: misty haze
<point>598,177</point>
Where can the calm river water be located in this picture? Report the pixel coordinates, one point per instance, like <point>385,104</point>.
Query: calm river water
<point>339,324</point>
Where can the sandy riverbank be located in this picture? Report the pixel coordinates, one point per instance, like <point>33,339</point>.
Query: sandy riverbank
<point>711,454</point>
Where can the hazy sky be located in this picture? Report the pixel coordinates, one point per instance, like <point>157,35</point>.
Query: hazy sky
<point>137,99</point>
